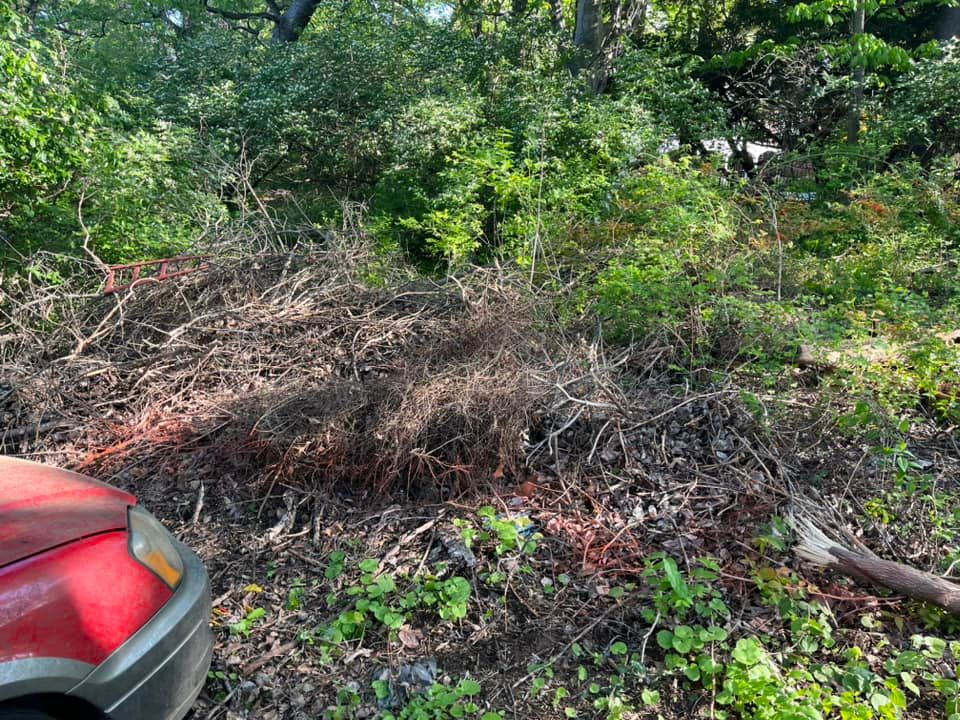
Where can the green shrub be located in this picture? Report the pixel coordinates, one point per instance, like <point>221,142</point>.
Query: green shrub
<point>145,194</point>
<point>679,261</point>
<point>45,134</point>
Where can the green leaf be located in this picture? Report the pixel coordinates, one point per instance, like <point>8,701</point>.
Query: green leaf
<point>386,583</point>
<point>675,579</point>
<point>708,666</point>
<point>469,687</point>
<point>713,634</point>
<point>748,651</point>
<point>393,620</point>
<point>381,688</point>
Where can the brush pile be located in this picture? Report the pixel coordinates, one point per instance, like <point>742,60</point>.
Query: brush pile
<point>320,367</point>
<point>288,366</point>
<point>327,367</point>
<point>323,368</point>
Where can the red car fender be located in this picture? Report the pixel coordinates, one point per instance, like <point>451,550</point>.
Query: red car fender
<point>79,601</point>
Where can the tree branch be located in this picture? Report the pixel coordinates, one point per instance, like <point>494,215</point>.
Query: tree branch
<point>234,15</point>
<point>863,565</point>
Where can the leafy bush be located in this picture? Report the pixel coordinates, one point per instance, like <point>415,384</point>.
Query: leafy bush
<point>139,192</point>
<point>44,132</point>
<point>668,87</point>
<point>924,116</point>
<point>471,188</point>
<point>677,258</point>
<point>145,196</point>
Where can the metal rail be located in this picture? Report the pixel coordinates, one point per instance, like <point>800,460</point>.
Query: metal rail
<point>124,277</point>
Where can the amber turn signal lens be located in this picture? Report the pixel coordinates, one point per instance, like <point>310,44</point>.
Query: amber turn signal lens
<point>152,546</point>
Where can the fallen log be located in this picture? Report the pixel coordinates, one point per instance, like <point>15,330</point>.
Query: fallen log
<point>814,546</point>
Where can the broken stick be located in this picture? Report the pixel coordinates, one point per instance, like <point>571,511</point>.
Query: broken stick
<point>816,547</point>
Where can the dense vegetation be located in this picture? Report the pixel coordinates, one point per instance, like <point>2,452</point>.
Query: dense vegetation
<point>604,152</point>
<point>537,134</point>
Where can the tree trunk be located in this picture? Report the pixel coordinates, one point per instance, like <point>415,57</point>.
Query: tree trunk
<point>588,39</point>
<point>857,25</point>
<point>294,20</point>
<point>586,32</point>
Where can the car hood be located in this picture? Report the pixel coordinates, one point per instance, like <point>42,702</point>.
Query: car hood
<point>42,507</point>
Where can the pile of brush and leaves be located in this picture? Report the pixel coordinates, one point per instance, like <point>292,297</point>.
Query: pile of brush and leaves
<point>418,499</point>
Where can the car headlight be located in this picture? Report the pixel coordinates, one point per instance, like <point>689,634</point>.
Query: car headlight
<point>152,546</point>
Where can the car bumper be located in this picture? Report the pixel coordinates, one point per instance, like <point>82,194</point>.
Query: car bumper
<point>159,672</point>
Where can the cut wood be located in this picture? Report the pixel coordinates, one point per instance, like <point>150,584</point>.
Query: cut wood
<point>816,547</point>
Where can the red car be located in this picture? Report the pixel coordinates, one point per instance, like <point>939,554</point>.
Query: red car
<point>102,612</point>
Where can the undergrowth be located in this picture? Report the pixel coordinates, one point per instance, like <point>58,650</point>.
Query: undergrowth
<point>806,654</point>
<point>863,286</point>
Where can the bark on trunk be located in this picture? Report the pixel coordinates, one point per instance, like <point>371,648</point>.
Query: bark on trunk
<point>294,20</point>
<point>586,32</point>
<point>857,25</point>
<point>863,565</point>
<point>588,39</point>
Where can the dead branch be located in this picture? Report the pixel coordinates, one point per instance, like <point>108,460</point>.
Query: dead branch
<point>34,431</point>
<point>816,547</point>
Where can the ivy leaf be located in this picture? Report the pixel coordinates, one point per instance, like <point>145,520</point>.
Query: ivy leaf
<point>665,639</point>
<point>369,565</point>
